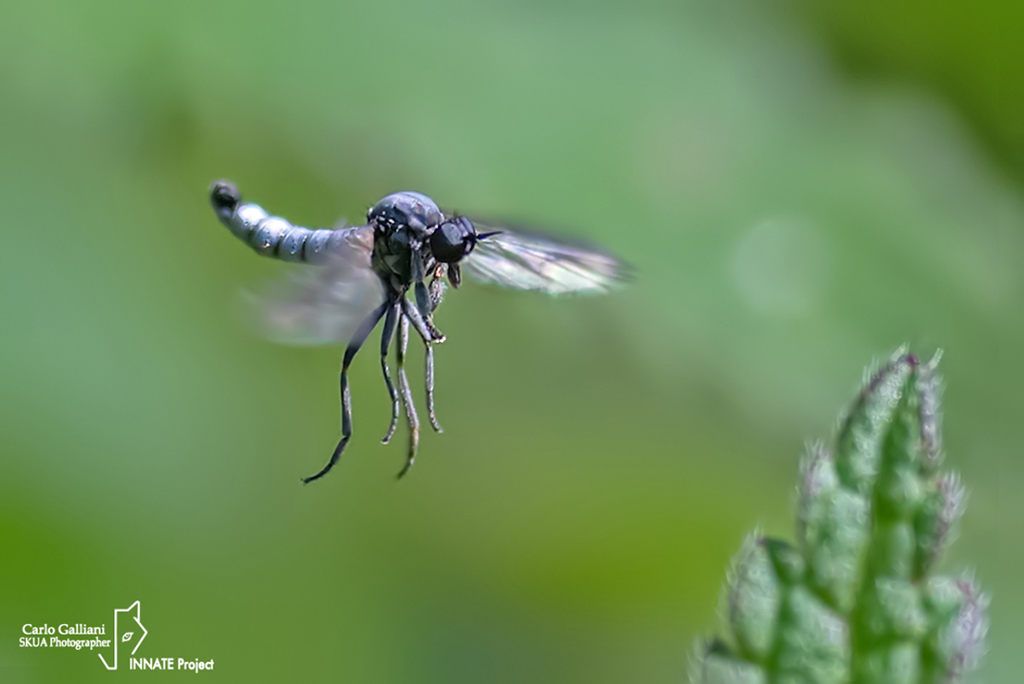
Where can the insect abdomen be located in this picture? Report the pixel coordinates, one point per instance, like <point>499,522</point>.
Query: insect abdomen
<point>270,235</point>
<point>273,236</point>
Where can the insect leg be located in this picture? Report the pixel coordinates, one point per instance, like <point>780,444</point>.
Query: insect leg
<point>364,330</point>
<point>437,288</point>
<point>429,359</point>
<point>403,383</point>
<point>436,292</point>
<point>419,288</point>
<point>424,328</point>
<point>386,336</point>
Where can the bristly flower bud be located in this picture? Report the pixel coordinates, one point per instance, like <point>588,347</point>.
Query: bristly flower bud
<point>936,520</point>
<point>716,664</point>
<point>832,524</point>
<point>957,640</point>
<point>863,430</point>
<point>930,387</point>
<point>856,600</point>
<point>818,483</point>
<point>753,597</point>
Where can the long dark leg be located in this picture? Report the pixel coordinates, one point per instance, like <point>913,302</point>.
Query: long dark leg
<point>386,336</point>
<point>403,383</point>
<point>424,330</point>
<point>364,330</point>
<point>436,295</point>
<point>429,384</point>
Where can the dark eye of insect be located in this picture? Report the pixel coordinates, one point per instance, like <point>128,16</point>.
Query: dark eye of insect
<point>453,240</point>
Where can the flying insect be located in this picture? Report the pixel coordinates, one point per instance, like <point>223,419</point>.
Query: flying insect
<point>363,274</point>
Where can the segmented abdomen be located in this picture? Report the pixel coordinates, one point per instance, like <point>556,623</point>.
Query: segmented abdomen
<point>274,237</point>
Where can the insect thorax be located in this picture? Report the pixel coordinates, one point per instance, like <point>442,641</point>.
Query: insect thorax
<point>392,255</point>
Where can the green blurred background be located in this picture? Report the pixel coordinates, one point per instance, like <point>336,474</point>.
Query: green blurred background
<point>801,187</point>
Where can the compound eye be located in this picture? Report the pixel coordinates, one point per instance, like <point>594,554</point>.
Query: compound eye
<point>452,240</point>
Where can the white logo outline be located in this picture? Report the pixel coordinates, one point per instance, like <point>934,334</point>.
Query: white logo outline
<point>137,608</point>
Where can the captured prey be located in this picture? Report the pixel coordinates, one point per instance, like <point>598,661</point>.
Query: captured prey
<point>361,275</point>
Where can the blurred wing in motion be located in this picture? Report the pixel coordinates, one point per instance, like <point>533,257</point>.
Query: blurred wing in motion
<point>531,261</point>
<point>322,303</point>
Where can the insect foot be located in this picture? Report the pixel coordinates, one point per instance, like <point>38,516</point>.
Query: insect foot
<point>856,598</point>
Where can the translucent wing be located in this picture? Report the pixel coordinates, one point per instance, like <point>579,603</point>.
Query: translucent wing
<point>531,261</point>
<point>322,303</point>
